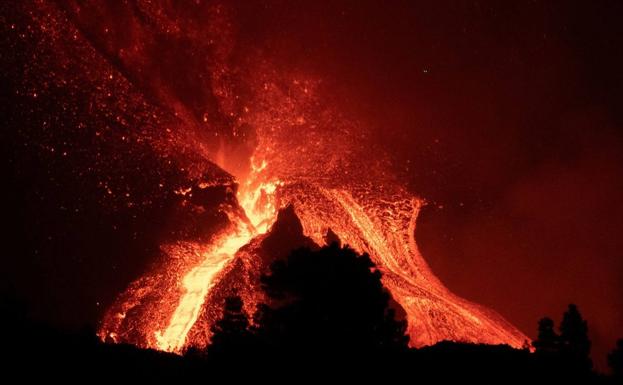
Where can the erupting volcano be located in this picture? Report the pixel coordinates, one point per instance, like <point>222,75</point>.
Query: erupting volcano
<point>172,307</point>
<point>255,145</point>
<point>310,160</point>
<point>280,146</point>
<point>170,164</point>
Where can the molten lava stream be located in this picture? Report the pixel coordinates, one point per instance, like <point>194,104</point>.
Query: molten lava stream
<point>197,284</point>
<point>257,215</point>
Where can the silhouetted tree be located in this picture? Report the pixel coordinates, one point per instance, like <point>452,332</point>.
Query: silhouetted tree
<point>615,360</point>
<point>231,334</point>
<point>547,340</point>
<point>330,300</point>
<point>574,343</point>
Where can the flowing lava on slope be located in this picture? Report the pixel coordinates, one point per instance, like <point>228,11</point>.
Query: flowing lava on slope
<point>256,214</point>
<point>195,271</point>
<point>198,277</point>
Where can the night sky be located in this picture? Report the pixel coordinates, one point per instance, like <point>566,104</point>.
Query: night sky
<point>507,117</point>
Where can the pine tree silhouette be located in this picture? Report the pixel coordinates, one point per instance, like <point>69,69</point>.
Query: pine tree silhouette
<point>574,343</point>
<point>548,340</point>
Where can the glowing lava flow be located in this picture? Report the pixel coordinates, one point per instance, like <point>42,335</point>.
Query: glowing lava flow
<point>197,283</point>
<point>259,213</point>
<point>379,220</point>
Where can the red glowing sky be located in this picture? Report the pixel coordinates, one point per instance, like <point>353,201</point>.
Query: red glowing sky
<point>506,118</point>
